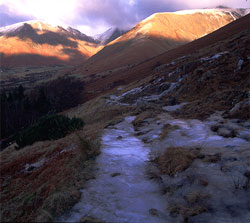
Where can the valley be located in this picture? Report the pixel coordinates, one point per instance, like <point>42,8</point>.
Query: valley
<point>28,77</point>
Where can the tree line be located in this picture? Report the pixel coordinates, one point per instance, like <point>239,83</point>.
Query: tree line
<point>21,107</point>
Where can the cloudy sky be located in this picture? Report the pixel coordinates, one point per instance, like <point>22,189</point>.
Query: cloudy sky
<point>96,16</point>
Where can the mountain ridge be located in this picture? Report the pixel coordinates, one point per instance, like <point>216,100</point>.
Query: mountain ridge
<point>152,36</point>
<point>157,34</point>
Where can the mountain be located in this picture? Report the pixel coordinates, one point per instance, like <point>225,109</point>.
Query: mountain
<point>133,73</point>
<point>39,43</point>
<point>159,33</point>
<point>109,35</point>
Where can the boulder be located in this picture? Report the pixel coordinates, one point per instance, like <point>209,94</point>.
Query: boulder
<point>227,133</point>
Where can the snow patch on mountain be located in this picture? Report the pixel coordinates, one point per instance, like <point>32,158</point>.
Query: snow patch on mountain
<point>109,35</point>
<point>219,11</point>
<point>204,11</point>
<point>15,27</point>
<point>235,13</point>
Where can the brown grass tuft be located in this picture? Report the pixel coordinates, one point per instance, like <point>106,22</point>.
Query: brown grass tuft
<point>175,160</point>
<point>166,129</point>
<point>186,212</point>
<point>142,116</point>
<point>195,205</point>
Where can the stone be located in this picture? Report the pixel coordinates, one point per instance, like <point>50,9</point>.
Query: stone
<point>213,158</point>
<point>153,212</point>
<point>226,132</point>
<point>240,63</point>
<point>171,101</point>
<point>115,174</point>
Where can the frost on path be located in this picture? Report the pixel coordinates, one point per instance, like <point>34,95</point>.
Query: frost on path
<point>121,191</point>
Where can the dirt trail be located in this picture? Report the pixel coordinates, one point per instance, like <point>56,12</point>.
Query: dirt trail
<point>121,191</point>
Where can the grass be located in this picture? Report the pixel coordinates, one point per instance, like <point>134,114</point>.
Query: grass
<point>68,166</point>
<point>176,159</point>
<point>59,203</point>
<point>97,115</point>
<point>45,192</point>
<point>44,216</point>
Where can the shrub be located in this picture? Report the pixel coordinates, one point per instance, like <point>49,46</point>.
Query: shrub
<point>49,127</point>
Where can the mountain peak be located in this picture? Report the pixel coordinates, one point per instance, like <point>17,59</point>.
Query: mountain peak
<point>35,24</point>
<point>109,35</point>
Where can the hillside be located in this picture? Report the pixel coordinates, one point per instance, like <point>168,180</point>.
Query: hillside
<point>37,43</point>
<point>157,34</point>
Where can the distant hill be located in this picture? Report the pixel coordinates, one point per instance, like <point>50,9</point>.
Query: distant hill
<point>38,43</point>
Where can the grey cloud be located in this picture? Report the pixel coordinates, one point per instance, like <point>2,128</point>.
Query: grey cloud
<point>119,13</point>
<point>7,18</point>
<point>114,13</point>
<point>145,8</point>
